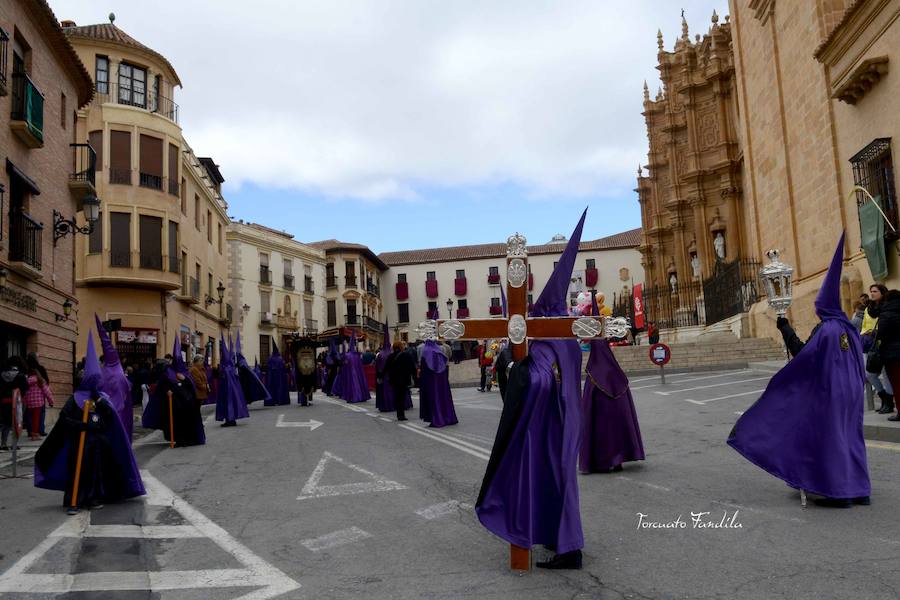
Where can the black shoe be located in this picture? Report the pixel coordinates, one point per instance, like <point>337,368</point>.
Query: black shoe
<point>71,511</point>
<point>863,501</point>
<point>888,407</point>
<point>402,419</point>
<point>885,398</point>
<point>480,389</point>
<point>568,560</point>
<point>895,417</point>
<point>617,469</point>
<point>834,502</point>
<point>229,423</point>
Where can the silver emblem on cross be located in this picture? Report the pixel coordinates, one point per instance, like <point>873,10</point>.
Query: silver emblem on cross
<point>427,330</point>
<point>516,272</point>
<point>516,245</point>
<point>586,327</point>
<point>616,327</point>
<point>452,329</point>
<point>517,329</point>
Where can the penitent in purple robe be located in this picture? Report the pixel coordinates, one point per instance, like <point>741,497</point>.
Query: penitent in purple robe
<point>230,403</point>
<point>807,427</point>
<point>530,490</point>
<point>354,388</point>
<point>277,380</point>
<point>611,433</point>
<point>384,394</point>
<point>115,383</point>
<point>434,386</point>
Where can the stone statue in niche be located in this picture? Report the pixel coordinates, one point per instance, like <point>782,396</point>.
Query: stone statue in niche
<point>673,282</point>
<point>719,244</point>
<point>695,265</point>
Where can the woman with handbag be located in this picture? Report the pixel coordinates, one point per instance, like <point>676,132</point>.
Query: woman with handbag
<point>875,373</point>
<point>887,341</point>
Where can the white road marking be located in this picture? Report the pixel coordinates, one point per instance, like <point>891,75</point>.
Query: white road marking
<point>695,402</point>
<point>436,511</point>
<point>312,424</point>
<point>376,483</point>
<point>147,532</point>
<point>383,419</point>
<point>743,372</point>
<point>335,539</point>
<point>706,387</point>
<point>21,455</point>
<point>738,412</point>
<point>268,580</point>
<point>372,414</point>
<point>652,486</point>
<point>726,397</point>
<point>470,449</point>
<point>357,408</point>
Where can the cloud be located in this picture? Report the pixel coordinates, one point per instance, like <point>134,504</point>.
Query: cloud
<point>379,100</point>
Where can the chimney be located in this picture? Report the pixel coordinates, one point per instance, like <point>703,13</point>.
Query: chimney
<point>67,23</point>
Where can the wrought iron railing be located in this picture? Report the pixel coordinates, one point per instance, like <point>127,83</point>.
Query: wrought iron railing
<point>4,42</point>
<point>150,181</point>
<point>28,104</point>
<point>85,164</point>
<point>372,324</point>
<point>350,281</point>
<point>120,176</point>
<point>151,260</point>
<point>265,275</point>
<point>308,285</point>
<point>120,259</point>
<point>310,326</point>
<point>195,289</point>
<point>288,282</point>
<point>130,96</point>
<point>331,282</point>
<point>25,239</point>
<point>373,289</point>
<point>351,319</point>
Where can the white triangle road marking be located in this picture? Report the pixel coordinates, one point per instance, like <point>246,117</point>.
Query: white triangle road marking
<point>376,483</point>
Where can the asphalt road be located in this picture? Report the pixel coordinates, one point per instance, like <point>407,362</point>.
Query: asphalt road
<point>364,507</point>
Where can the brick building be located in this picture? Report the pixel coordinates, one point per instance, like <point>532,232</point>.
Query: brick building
<point>44,179</point>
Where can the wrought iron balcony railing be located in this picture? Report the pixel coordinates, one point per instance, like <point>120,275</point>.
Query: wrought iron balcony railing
<point>85,164</point>
<point>154,182</point>
<point>132,95</point>
<point>288,282</point>
<point>151,260</point>
<point>25,239</point>
<point>265,275</point>
<point>28,105</point>
<point>308,285</point>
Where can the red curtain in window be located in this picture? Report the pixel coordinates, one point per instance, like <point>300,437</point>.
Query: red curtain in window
<point>402,290</point>
<point>431,288</point>
<point>493,279</point>
<point>462,313</point>
<point>496,310</point>
<point>459,286</point>
<point>590,277</point>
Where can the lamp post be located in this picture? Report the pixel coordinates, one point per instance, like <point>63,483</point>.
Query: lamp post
<point>777,278</point>
<point>63,227</point>
<point>67,310</point>
<point>449,308</point>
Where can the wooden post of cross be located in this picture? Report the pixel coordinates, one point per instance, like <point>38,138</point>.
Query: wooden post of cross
<point>518,328</point>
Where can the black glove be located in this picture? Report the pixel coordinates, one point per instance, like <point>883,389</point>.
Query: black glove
<point>781,323</point>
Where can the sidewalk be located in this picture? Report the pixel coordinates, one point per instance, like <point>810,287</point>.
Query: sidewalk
<point>877,427</point>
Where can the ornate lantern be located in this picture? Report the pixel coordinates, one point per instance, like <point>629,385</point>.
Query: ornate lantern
<point>777,278</point>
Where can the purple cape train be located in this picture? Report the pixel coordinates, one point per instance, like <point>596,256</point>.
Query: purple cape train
<point>109,472</point>
<point>354,387</point>
<point>434,386</point>
<point>115,383</point>
<point>277,380</point>
<point>186,418</point>
<point>530,490</point>
<point>611,434</point>
<point>807,427</point>
<point>252,388</point>
<point>230,403</point>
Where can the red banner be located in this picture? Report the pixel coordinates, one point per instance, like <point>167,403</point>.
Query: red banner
<point>638,293</point>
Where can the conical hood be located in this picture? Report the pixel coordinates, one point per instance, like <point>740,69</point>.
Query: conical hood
<point>230,345</point>
<point>386,334</point>
<point>237,344</point>
<point>91,380</point>
<point>177,361</point>
<point>110,355</point>
<point>828,302</point>
<point>226,355</point>
<point>553,300</point>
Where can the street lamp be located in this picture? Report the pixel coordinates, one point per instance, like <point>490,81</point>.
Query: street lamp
<point>63,227</point>
<point>220,291</point>
<point>67,310</point>
<point>449,308</point>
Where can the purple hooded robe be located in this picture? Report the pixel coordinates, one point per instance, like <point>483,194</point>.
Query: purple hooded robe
<point>277,380</point>
<point>807,427</point>
<point>434,386</point>
<point>115,383</point>
<point>611,432</point>
<point>355,387</point>
<point>384,393</point>
<point>252,388</point>
<point>109,471</point>
<point>530,490</point>
<point>186,418</point>
<point>230,403</point>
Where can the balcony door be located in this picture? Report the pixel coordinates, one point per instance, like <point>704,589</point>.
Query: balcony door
<point>132,85</point>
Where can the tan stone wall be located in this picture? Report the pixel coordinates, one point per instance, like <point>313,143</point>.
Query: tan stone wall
<point>49,167</point>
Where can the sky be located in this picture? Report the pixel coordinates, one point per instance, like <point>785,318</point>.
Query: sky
<point>405,124</point>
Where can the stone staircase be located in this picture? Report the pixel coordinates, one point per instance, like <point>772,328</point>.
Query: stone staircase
<point>706,353</point>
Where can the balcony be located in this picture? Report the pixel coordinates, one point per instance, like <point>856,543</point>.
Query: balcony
<point>266,318</point>
<point>286,322</point>
<point>351,320</point>
<point>25,244</point>
<point>265,276</point>
<point>494,279</point>
<point>310,327</point>
<point>373,289</point>
<point>462,313</point>
<point>330,282</point>
<point>288,282</point>
<point>4,43</point>
<point>194,290</point>
<point>27,119</point>
<point>350,281</point>
<point>120,176</point>
<point>402,290</point>
<point>308,287</point>
<point>496,310</point>
<point>153,182</point>
<point>151,260</point>
<point>459,286</point>
<point>83,180</point>
<point>109,92</point>
<point>120,259</point>
<point>371,324</point>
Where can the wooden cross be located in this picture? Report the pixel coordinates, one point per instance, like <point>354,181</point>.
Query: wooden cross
<point>518,328</point>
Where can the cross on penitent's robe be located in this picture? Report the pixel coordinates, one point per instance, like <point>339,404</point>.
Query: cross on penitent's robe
<point>518,328</point>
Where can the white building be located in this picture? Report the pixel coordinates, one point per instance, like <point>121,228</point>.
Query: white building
<point>277,287</point>
<point>419,282</point>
